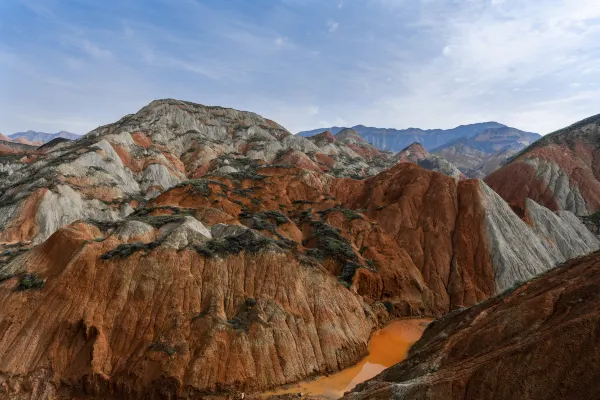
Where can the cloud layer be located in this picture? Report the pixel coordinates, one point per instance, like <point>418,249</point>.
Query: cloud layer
<point>77,64</point>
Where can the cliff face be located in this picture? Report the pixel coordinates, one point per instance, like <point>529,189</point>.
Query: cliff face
<point>160,322</point>
<point>560,171</point>
<point>536,342</point>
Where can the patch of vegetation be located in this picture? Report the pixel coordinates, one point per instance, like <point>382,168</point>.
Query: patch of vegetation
<point>388,306</point>
<point>302,202</point>
<point>202,185</point>
<point>162,347</point>
<point>248,241</point>
<point>141,212</point>
<point>245,316</point>
<point>281,153</point>
<point>158,221</point>
<point>127,249</point>
<point>347,285</point>
<point>331,243</point>
<point>306,215</point>
<point>595,217</point>
<point>255,139</point>
<point>30,281</point>
<point>348,271</point>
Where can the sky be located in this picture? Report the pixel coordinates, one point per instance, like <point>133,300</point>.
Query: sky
<point>78,64</point>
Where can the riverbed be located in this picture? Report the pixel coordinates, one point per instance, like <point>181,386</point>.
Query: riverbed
<point>387,347</point>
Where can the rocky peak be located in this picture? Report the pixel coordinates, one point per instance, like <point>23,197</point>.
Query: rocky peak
<point>350,136</point>
<point>323,138</point>
<point>413,153</point>
<point>559,171</point>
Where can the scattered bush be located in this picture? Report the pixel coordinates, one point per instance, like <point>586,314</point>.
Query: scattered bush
<point>348,271</point>
<point>157,221</point>
<point>248,241</point>
<point>127,249</point>
<point>332,243</point>
<point>202,185</point>
<point>30,281</point>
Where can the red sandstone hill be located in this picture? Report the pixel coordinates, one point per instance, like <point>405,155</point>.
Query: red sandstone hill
<point>170,255</point>
<point>536,342</point>
<point>560,171</point>
<point>222,285</point>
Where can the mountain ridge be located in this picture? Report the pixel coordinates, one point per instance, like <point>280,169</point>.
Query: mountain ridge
<point>43,137</point>
<point>396,139</point>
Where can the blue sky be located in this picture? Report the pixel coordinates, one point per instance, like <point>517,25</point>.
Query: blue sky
<point>77,64</point>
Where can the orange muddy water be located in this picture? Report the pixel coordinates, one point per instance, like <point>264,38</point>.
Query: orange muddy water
<point>387,347</point>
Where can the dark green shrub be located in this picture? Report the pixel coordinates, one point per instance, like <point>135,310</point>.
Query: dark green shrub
<point>30,281</point>
<point>332,243</point>
<point>247,241</point>
<point>388,306</point>
<point>127,249</point>
<point>348,271</point>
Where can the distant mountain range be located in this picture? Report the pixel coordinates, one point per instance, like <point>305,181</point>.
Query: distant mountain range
<point>475,149</point>
<point>33,136</point>
<point>398,139</point>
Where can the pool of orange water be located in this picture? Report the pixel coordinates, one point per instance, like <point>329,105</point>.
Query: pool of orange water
<point>387,347</point>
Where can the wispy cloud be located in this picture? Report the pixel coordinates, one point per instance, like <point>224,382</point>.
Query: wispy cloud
<point>332,26</point>
<point>427,63</point>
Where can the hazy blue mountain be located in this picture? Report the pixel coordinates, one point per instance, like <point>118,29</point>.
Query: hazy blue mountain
<point>397,139</point>
<point>34,136</point>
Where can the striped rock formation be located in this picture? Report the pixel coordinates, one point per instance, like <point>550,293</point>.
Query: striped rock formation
<point>561,171</point>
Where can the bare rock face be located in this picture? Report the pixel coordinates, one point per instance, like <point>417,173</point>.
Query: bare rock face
<point>536,342</point>
<point>559,171</point>
<point>151,322</point>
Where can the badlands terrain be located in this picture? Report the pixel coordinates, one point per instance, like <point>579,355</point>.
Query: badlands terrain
<point>188,251</point>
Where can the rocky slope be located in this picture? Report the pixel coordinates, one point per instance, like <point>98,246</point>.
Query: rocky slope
<point>485,152</point>
<point>538,341</point>
<point>190,250</point>
<point>560,171</point>
<point>113,168</point>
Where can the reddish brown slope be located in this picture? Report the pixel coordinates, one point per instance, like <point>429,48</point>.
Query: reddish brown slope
<point>168,302</point>
<point>559,171</point>
<point>160,323</point>
<point>540,341</point>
